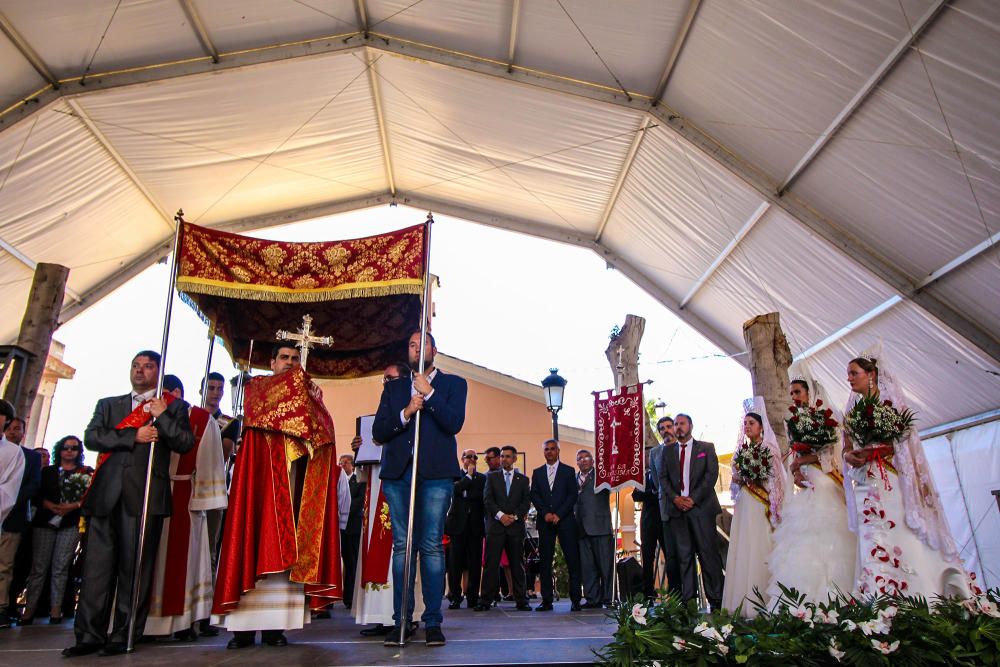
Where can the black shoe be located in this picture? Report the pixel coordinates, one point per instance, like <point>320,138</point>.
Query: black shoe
<point>188,635</point>
<point>523,607</point>
<point>575,607</point>
<point>80,649</point>
<point>434,636</point>
<point>545,606</point>
<point>273,638</point>
<point>30,621</point>
<point>205,628</point>
<point>241,639</point>
<point>592,605</point>
<point>376,631</point>
<point>113,648</point>
<point>457,604</point>
<point>481,607</point>
<point>4,620</point>
<point>393,638</point>
<point>471,604</point>
<point>319,615</point>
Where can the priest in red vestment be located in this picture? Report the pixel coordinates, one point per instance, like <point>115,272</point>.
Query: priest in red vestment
<point>281,547</point>
<point>182,576</point>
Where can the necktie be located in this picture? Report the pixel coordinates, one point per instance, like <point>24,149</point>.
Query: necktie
<point>683,452</point>
<point>552,477</point>
<point>581,479</point>
<point>507,481</point>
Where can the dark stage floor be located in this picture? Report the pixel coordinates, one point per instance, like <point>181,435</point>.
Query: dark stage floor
<point>499,637</point>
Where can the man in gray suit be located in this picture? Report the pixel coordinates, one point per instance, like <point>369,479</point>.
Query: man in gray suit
<point>113,506</point>
<point>653,528</point>
<point>687,495</point>
<point>593,515</point>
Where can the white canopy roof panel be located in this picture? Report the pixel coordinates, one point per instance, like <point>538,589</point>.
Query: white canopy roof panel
<point>835,161</point>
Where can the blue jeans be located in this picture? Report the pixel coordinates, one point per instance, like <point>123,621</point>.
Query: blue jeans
<point>432,501</point>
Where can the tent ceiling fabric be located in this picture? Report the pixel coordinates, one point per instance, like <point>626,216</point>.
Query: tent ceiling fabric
<point>512,113</point>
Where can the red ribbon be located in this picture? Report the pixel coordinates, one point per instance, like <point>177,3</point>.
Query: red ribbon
<point>882,456</point>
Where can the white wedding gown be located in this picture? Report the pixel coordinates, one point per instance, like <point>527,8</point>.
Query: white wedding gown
<point>814,550</point>
<point>750,546</point>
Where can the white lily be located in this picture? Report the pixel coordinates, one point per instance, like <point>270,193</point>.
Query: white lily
<point>834,651</point>
<point>885,648</point>
<point>639,614</point>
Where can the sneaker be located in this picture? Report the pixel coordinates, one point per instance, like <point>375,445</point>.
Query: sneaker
<point>434,636</point>
<point>393,638</point>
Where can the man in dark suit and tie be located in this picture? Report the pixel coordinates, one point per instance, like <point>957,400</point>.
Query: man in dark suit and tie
<point>113,506</point>
<point>687,491</point>
<point>466,527</point>
<point>653,528</point>
<point>350,536</point>
<point>507,499</point>
<point>597,544</point>
<point>553,493</point>
<point>440,400</point>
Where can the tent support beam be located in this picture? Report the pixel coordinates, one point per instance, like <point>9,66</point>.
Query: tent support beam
<point>726,252</point>
<point>633,150</point>
<point>960,424</point>
<point>199,29</point>
<point>22,45</point>
<point>383,133</point>
<point>95,132</point>
<point>361,11</point>
<point>963,259</point>
<point>515,13</point>
<point>16,253</point>
<point>675,51</point>
<point>880,73</point>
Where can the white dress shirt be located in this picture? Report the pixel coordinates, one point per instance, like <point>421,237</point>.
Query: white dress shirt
<point>414,392</point>
<point>138,399</point>
<point>686,472</point>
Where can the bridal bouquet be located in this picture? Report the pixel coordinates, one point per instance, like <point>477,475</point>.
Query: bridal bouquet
<point>752,462</point>
<point>875,422</point>
<point>810,429</point>
<point>72,487</point>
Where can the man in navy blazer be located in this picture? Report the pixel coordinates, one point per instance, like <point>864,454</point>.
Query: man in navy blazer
<point>440,400</point>
<point>553,493</point>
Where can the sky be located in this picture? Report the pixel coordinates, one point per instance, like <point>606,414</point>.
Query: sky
<point>510,302</point>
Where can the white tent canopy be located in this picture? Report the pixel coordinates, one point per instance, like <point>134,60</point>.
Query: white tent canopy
<point>836,161</point>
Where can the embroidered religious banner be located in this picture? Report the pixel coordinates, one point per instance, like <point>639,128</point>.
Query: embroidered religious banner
<point>619,423</point>
<point>364,293</point>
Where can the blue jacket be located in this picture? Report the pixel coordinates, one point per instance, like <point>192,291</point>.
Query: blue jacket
<point>441,420</point>
<point>561,499</point>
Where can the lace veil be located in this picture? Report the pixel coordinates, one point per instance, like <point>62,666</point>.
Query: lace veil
<point>776,481</point>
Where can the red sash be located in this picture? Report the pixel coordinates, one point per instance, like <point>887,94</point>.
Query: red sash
<point>138,418</point>
<point>377,549</point>
<point>179,532</point>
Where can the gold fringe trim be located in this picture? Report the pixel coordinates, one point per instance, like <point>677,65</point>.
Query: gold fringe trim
<point>241,291</point>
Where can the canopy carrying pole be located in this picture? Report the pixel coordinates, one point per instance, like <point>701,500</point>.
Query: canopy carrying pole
<point>143,518</point>
<point>208,364</point>
<point>404,611</point>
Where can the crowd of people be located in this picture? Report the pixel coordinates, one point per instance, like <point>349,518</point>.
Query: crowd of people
<point>253,526</point>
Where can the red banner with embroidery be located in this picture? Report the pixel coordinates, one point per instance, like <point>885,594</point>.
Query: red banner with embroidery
<point>363,292</point>
<point>377,550</point>
<point>619,430</point>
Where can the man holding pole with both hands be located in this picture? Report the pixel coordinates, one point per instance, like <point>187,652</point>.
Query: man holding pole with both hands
<point>435,401</point>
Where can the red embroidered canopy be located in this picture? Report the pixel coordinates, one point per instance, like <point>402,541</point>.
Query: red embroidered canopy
<point>364,292</point>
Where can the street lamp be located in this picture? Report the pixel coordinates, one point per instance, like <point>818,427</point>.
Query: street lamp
<point>661,409</point>
<point>553,386</point>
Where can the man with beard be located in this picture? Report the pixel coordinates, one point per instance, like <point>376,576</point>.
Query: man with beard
<point>653,528</point>
<point>466,528</point>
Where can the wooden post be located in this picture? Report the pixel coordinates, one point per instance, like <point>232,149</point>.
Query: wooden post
<point>40,320</point>
<point>769,362</point>
<point>628,340</point>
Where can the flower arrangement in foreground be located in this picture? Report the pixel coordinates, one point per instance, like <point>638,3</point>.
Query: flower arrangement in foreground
<point>879,631</point>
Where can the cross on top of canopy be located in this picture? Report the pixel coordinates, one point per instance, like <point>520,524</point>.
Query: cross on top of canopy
<point>836,162</point>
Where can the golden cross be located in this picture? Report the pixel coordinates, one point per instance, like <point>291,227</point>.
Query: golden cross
<point>304,339</point>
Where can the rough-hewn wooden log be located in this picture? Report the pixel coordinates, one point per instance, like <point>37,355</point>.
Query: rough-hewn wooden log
<point>769,362</point>
<point>627,340</point>
<point>40,320</point>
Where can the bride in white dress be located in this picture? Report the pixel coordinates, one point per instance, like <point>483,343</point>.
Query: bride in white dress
<point>756,511</point>
<point>904,544</point>
<point>814,550</point>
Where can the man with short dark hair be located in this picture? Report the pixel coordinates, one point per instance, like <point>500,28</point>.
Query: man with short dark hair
<point>653,529</point>
<point>11,465</point>
<point>690,505</point>
<point>466,527</point>
<point>593,515</point>
<point>440,399</point>
<point>554,493</point>
<point>123,430</point>
<point>507,498</point>
<point>350,534</point>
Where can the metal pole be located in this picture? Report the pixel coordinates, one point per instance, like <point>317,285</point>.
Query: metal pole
<point>615,588</point>
<point>404,611</point>
<point>555,425</point>
<point>208,364</point>
<point>143,518</point>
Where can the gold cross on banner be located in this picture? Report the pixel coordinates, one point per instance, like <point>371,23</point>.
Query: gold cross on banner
<point>304,340</point>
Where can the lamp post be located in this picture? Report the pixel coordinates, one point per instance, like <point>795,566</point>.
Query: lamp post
<point>553,386</point>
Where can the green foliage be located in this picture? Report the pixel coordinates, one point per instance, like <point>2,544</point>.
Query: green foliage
<point>877,632</point>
